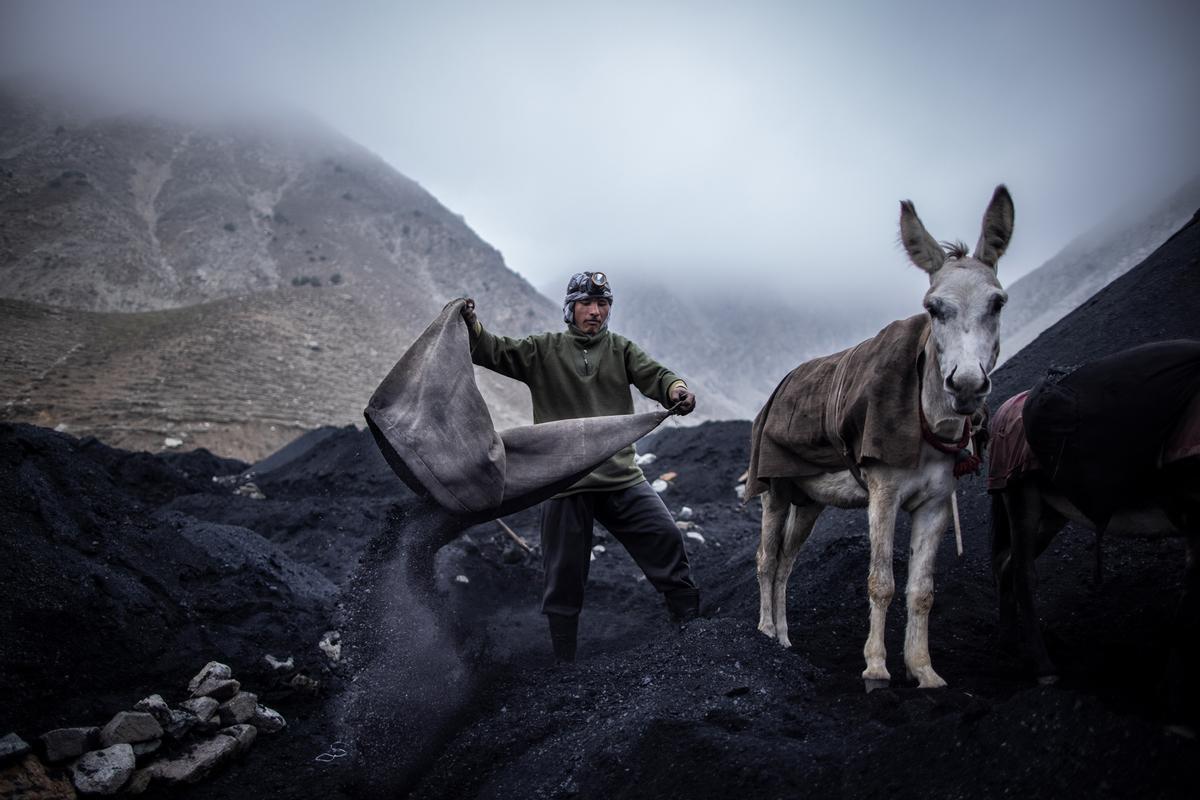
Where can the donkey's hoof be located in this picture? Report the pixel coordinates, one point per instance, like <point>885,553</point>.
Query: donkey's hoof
<point>926,678</point>
<point>1047,680</point>
<point>871,684</point>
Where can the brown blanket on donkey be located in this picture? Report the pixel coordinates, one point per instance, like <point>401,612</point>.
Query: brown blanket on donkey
<point>859,405</point>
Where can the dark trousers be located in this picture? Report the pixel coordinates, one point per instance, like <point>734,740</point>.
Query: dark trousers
<point>637,518</point>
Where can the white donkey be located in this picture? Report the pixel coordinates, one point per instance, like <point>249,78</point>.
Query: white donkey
<point>955,347</point>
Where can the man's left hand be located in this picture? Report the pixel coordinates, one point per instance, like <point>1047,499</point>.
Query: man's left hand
<point>683,400</point>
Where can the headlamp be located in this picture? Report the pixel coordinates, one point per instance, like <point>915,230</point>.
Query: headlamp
<point>590,283</point>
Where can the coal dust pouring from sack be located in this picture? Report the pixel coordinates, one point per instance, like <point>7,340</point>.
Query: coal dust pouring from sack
<point>435,431</point>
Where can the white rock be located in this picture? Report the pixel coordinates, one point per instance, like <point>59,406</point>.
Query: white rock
<point>202,707</point>
<point>243,735</point>
<point>694,536</point>
<point>104,771</point>
<point>238,709</point>
<point>598,549</point>
<point>64,743</point>
<point>280,666</point>
<point>12,747</point>
<point>644,459</point>
<point>302,683</point>
<point>461,579</point>
<point>268,720</point>
<point>250,490</point>
<point>740,491</point>
<point>196,762</point>
<point>155,706</point>
<point>331,645</point>
<point>180,722</point>
<point>685,526</point>
<point>660,486</point>
<point>145,748</point>
<point>213,669</point>
<point>217,688</point>
<point>129,727</point>
<point>171,441</point>
<point>685,513</point>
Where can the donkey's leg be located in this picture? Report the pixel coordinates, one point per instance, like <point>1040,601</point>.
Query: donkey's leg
<point>1181,689</point>
<point>774,516</point>
<point>799,525</point>
<point>929,522</point>
<point>881,586</point>
<point>1002,572</point>
<point>1024,503</point>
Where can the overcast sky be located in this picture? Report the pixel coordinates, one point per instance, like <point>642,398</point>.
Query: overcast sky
<point>762,143</point>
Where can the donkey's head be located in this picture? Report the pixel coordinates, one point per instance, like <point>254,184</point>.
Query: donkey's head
<point>964,298</point>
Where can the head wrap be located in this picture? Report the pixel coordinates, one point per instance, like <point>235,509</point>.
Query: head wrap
<point>581,285</point>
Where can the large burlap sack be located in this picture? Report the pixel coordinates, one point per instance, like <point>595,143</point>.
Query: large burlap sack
<point>435,431</point>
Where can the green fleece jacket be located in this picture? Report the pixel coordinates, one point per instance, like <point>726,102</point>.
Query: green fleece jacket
<point>572,375</point>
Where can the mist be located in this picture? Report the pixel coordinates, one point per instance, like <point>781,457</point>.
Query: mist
<point>761,146</point>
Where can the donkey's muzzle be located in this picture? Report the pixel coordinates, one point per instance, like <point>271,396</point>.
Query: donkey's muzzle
<point>967,392</point>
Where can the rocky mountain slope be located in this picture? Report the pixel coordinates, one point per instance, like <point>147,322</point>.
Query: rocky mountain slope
<point>733,348</point>
<point>1088,264</point>
<point>166,280</point>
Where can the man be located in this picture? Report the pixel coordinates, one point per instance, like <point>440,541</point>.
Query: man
<point>586,371</point>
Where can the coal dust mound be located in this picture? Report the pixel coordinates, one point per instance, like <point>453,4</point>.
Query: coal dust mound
<point>123,571</point>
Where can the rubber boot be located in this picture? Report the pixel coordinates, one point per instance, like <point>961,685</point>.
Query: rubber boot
<point>683,605</point>
<point>564,631</point>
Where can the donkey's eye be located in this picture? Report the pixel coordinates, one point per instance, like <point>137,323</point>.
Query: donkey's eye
<point>998,302</point>
<point>938,309</point>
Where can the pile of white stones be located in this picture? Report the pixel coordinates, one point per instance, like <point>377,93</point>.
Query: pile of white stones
<point>155,742</point>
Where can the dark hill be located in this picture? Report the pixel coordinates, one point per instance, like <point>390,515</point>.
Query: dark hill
<point>1158,299</point>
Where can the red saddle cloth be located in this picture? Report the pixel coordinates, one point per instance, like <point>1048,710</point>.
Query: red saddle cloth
<point>1009,454</point>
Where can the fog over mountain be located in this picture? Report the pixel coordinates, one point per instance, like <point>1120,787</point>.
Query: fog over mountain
<point>1088,264</point>
<point>221,285</point>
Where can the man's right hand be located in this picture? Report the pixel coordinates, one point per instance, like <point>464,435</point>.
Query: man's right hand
<point>468,313</point>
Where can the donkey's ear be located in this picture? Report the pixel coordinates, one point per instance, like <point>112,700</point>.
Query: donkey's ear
<point>922,248</point>
<point>997,228</point>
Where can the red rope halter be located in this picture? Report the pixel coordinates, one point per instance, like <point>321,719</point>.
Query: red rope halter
<point>965,462</point>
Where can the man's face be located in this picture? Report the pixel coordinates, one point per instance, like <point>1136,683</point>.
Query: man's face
<point>591,313</point>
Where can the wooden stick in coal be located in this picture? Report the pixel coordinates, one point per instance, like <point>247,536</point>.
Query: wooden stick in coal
<point>957,523</point>
<point>513,535</point>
